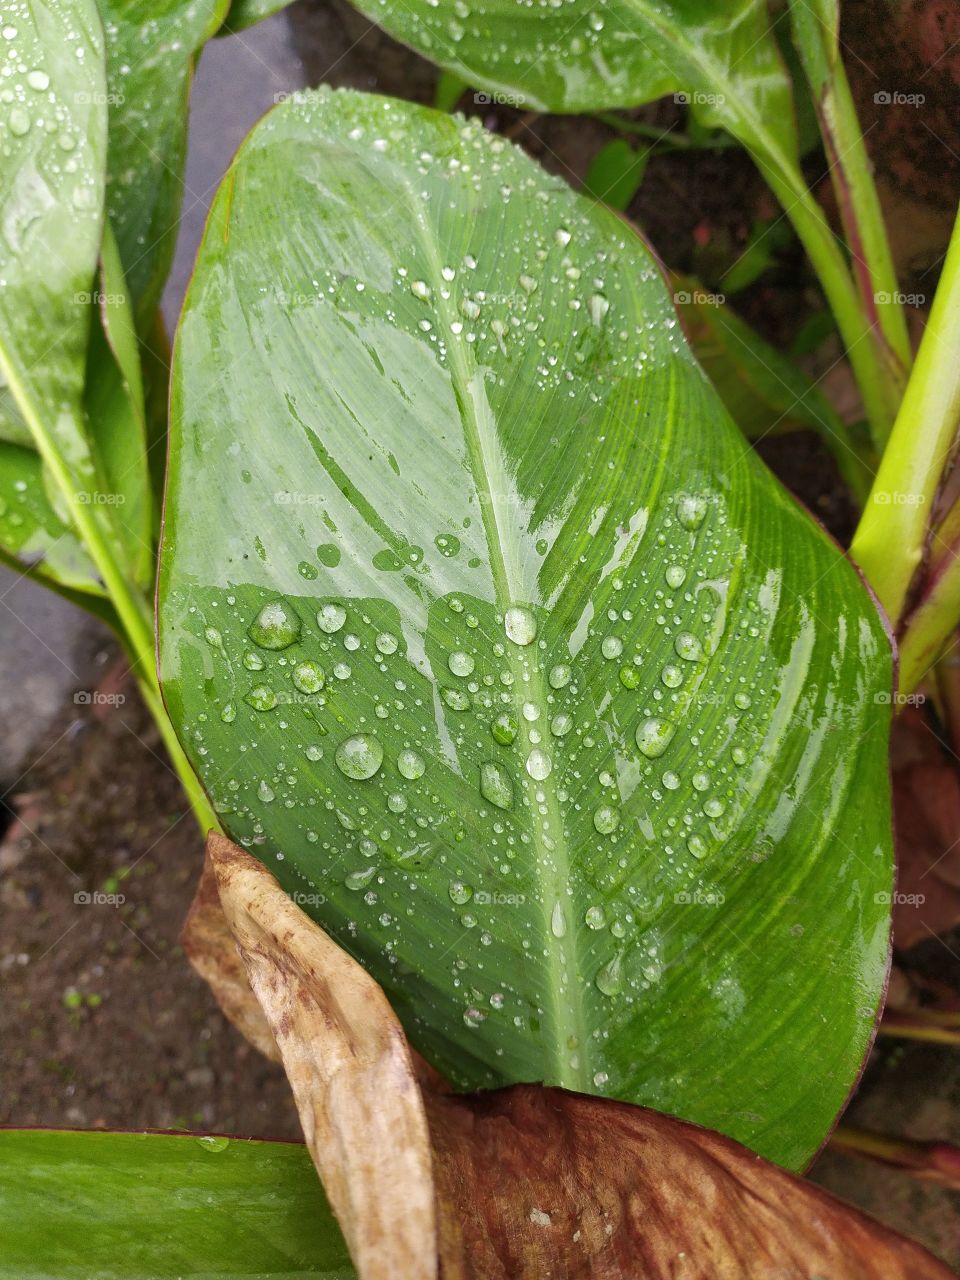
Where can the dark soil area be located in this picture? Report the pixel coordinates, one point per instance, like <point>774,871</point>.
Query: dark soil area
<point>103,1021</point>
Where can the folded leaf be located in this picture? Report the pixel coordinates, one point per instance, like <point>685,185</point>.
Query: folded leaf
<point>475,606</point>
<point>520,1183</point>
<point>149,1206</point>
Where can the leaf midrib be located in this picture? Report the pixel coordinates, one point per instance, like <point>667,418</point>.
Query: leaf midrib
<point>565,979</point>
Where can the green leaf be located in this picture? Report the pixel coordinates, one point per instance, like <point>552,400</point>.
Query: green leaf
<point>245,13</point>
<point>51,213</point>
<point>615,173</point>
<point>448,92</point>
<point>584,56</point>
<point>138,1206</point>
<point>595,782</point>
<point>114,405</point>
<point>151,52</point>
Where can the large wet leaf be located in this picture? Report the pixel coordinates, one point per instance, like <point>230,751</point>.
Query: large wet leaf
<point>486,630</point>
<point>138,1206</point>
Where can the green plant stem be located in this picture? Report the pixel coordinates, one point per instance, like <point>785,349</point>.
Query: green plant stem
<point>890,539</point>
<point>816,38</point>
<point>865,347</point>
<point>203,812</point>
<point>133,611</point>
<point>675,141</point>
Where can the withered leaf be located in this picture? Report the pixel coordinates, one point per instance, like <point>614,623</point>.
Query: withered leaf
<point>525,1183</point>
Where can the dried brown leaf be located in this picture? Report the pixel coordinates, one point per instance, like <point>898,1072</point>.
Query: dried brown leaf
<point>210,947</point>
<point>526,1183</point>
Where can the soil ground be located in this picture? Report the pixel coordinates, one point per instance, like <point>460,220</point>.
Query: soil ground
<point>104,1022</point>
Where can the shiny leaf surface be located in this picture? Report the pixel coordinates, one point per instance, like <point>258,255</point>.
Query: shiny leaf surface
<point>478,610</point>
<point>51,214</point>
<point>138,1206</point>
<point>585,56</point>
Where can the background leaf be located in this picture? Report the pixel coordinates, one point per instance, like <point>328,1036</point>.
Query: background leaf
<point>476,607</point>
<point>615,173</point>
<point>138,1206</point>
<point>51,208</point>
<point>151,51</point>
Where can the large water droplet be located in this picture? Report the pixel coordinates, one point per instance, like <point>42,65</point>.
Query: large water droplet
<point>359,756</point>
<point>504,728</point>
<point>520,625</point>
<point>595,917</point>
<point>561,724</point>
<point>460,893</point>
<point>559,676</point>
<point>691,508</point>
<point>456,699</point>
<point>653,736</point>
<point>612,647</point>
<point>558,921</point>
<point>539,764</point>
<point>360,879</point>
<point>308,677</point>
<point>261,698</point>
<point>331,618</point>
<point>276,626</point>
<point>606,819</point>
<point>386,643</point>
<point>610,978</point>
<point>411,764</point>
<point>460,663</point>
<point>688,647</point>
<point>496,785</point>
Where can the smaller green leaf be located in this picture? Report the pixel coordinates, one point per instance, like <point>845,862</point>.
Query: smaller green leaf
<point>148,1206</point>
<point>114,405</point>
<point>615,173</point>
<point>33,538</point>
<point>151,52</point>
<point>246,13</point>
<point>448,91</point>
<point>764,391</point>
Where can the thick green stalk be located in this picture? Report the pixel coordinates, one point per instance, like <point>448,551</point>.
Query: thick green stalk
<point>816,37</point>
<point>879,389</point>
<point>890,539</point>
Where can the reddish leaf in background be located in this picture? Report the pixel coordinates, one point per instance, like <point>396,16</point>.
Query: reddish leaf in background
<point>926,799</point>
